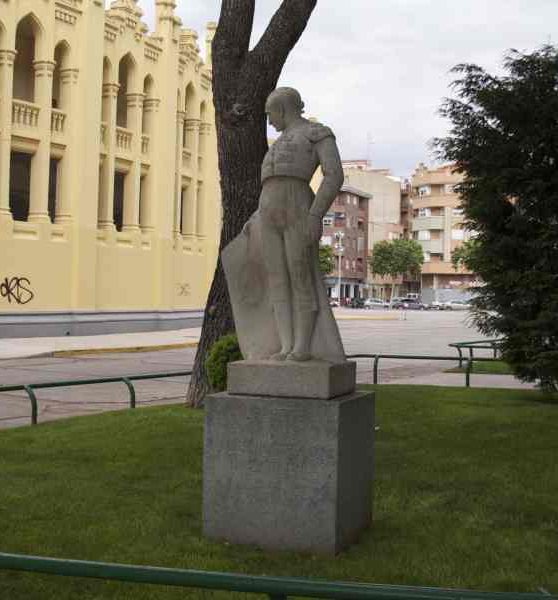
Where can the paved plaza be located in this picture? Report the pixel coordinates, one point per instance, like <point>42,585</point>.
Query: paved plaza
<point>363,332</point>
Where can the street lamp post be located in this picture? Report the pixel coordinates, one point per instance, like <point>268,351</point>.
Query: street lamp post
<point>339,235</point>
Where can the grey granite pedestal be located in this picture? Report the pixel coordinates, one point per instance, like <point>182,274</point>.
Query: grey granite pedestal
<point>288,473</point>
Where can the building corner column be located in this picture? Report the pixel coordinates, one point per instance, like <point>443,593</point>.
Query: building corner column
<point>68,80</point>
<point>130,217</point>
<point>7,58</point>
<point>106,185</point>
<point>40,165</point>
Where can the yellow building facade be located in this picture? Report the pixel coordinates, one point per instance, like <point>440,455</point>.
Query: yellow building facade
<point>109,194</point>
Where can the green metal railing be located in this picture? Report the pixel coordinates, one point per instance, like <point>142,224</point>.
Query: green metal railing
<point>126,380</point>
<point>276,588</point>
<point>493,345</point>
<point>377,357</point>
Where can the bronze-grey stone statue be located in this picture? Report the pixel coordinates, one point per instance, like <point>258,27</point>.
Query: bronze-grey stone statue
<point>279,301</point>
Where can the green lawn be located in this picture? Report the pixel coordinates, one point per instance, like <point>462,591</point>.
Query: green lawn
<point>496,367</point>
<point>466,496</point>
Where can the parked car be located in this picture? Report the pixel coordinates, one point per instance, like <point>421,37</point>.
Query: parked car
<point>409,304</point>
<point>356,303</point>
<point>371,303</point>
<point>457,305</point>
<point>437,305</point>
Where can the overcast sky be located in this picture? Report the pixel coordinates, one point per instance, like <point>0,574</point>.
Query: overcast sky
<point>377,70</point>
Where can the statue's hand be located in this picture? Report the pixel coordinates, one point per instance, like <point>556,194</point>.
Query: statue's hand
<point>315,227</point>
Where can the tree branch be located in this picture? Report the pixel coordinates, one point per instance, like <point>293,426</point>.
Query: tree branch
<point>280,37</point>
<point>232,38</point>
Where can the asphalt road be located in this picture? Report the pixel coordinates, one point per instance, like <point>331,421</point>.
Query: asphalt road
<point>418,333</point>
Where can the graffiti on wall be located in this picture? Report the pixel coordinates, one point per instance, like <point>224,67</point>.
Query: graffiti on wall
<point>17,290</point>
<point>183,289</point>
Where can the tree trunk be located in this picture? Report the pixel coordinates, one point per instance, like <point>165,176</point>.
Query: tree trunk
<point>242,81</point>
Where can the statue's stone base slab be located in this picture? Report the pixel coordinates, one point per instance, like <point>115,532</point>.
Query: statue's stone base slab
<point>288,474</point>
<point>289,379</point>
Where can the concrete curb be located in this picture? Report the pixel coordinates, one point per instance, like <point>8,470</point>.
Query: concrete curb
<point>83,351</point>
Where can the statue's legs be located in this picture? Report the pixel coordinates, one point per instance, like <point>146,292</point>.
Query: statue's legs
<point>288,256</point>
<point>305,307</point>
<point>279,286</point>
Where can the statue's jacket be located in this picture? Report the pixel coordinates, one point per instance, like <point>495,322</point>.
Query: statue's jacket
<point>294,153</point>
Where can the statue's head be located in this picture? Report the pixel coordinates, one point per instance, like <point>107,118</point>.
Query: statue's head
<point>283,106</point>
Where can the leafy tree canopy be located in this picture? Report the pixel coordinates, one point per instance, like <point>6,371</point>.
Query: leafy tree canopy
<point>397,257</point>
<point>327,260</point>
<point>504,140</point>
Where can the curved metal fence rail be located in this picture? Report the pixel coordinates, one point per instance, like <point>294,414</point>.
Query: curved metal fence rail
<point>377,357</point>
<point>125,379</point>
<point>493,345</point>
<point>276,588</point>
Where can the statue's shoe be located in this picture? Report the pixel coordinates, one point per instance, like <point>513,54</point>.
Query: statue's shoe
<point>299,356</point>
<point>279,356</point>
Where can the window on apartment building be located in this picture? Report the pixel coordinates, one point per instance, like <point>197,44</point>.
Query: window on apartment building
<point>20,185</point>
<point>360,246</point>
<point>354,265</point>
<point>427,257</point>
<point>118,204</point>
<point>347,265</point>
<point>457,234</point>
<point>328,221</point>
<point>424,235</point>
<point>457,212</point>
<point>53,188</point>
<point>424,190</point>
<point>424,212</point>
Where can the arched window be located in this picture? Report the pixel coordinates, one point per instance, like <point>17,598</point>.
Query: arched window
<point>126,77</point>
<point>28,33</point>
<point>61,59</point>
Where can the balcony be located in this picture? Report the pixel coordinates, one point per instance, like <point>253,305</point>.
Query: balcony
<point>57,122</point>
<point>25,114</point>
<point>145,144</point>
<point>124,139</point>
<point>432,246</point>
<point>421,223</point>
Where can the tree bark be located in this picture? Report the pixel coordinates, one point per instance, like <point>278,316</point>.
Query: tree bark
<point>242,81</point>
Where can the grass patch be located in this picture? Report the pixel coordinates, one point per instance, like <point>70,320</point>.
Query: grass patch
<point>497,367</point>
<point>465,496</point>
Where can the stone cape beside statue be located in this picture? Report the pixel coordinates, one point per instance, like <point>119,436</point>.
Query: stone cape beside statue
<point>279,301</point>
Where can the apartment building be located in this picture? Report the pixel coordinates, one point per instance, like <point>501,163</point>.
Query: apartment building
<point>109,196</point>
<point>346,231</point>
<point>384,214</point>
<point>437,224</point>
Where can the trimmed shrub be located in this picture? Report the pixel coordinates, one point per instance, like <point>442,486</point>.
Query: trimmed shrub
<point>223,351</point>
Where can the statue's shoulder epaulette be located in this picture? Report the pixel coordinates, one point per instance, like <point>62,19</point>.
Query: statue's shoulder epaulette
<point>316,132</point>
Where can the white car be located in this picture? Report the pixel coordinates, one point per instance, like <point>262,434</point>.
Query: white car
<point>457,305</point>
<point>371,303</point>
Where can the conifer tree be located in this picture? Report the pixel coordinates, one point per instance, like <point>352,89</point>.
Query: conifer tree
<point>504,140</point>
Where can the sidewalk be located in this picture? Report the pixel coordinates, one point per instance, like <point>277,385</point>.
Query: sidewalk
<point>11,348</point>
